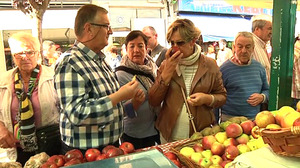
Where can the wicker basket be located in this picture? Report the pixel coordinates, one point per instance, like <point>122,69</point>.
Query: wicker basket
<point>183,159</point>
<point>285,141</point>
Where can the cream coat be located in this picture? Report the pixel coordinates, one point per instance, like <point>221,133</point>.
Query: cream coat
<point>48,100</point>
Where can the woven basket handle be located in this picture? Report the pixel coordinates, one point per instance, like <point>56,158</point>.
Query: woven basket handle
<point>295,130</point>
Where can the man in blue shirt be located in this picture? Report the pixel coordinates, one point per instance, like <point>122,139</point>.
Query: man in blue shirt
<point>244,79</point>
<point>89,93</point>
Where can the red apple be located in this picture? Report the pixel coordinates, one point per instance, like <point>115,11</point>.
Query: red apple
<point>247,126</point>
<point>230,141</point>
<point>106,148</point>
<point>127,147</point>
<point>198,147</point>
<point>91,154</point>
<point>174,50</point>
<point>112,152</point>
<point>243,139</point>
<point>234,130</point>
<point>177,163</point>
<point>217,149</point>
<point>49,165</point>
<point>297,121</point>
<point>207,141</point>
<point>231,152</point>
<point>101,157</point>
<point>73,161</point>
<point>74,153</point>
<point>57,159</point>
<point>225,162</point>
<point>170,155</point>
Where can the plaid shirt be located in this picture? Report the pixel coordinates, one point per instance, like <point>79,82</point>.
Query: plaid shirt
<point>83,81</point>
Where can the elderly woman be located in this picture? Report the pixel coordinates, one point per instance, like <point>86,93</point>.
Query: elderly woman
<point>28,102</point>
<point>140,117</point>
<point>186,76</point>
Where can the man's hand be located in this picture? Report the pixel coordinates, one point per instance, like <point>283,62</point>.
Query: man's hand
<point>255,99</point>
<point>126,92</point>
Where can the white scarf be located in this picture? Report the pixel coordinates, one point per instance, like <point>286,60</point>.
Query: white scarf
<point>190,60</point>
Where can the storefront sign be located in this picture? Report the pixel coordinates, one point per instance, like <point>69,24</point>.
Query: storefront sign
<point>225,6</point>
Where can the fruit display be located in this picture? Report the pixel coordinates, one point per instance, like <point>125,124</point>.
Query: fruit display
<point>75,156</point>
<point>285,117</point>
<point>281,130</point>
<point>219,148</point>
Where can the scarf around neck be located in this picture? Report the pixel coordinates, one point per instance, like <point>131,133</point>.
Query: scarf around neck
<point>149,67</point>
<point>24,130</point>
<point>190,60</point>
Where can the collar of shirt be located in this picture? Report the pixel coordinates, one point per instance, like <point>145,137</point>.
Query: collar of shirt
<point>90,53</point>
<point>259,41</point>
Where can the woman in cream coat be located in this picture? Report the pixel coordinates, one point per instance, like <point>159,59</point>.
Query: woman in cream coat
<point>27,88</point>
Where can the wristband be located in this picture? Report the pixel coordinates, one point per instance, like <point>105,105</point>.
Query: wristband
<point>213,100</point>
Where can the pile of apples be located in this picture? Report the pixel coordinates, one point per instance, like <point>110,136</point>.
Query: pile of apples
<point>75,156</point>
<point>285,117</point>
<point>220,149</point>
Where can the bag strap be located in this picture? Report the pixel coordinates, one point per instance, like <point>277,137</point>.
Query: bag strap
<point>134,72</point>
<point>191,118</point>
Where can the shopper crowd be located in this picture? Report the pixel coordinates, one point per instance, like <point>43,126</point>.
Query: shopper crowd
<point>150,95</point>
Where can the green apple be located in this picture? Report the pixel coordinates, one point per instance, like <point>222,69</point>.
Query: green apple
<point>252,144</point>
<point>196,156</point>
<point>196,135</point>
<point>243,148</point>
<point>205,162</point>
<point>243,139</point>
<point>187,151</point>
<point>216,159</point>
<point>207,153</point>
<point>224,125</point>
<point>260,142</point>
<point>215,129</point>
<point>206,131</point>
<point>221,137</point>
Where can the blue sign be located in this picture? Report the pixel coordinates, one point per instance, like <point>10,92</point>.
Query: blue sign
<point>220,7</point>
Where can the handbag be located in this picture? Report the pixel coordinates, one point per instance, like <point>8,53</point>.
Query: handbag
<point>48,138</point>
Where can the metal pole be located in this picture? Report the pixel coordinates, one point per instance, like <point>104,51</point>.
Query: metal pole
<point>284,18</point>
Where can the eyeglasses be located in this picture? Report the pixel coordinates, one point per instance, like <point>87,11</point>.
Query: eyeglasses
<point>178,43</point>
<point>23,54</point>
<point>108,27</point>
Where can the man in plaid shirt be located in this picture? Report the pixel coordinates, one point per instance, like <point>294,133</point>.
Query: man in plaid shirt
<point>90,95</point>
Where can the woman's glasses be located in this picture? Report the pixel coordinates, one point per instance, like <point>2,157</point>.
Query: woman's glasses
<point>178,43</point>
<point>23,54</point>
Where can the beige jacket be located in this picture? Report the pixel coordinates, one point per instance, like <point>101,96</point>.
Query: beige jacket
<point>206,80</point>
<point>48,100</point>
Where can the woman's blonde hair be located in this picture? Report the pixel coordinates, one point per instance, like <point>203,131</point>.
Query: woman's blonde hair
<point>187,30</point>
<point>23,39</point>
